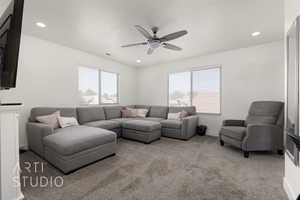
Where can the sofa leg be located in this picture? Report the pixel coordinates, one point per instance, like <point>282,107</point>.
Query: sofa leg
<point>280,152</point>
<point>221,142</point>
<point>246,154</point>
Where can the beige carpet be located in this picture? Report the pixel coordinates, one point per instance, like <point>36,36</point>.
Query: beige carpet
<point>198,169</point>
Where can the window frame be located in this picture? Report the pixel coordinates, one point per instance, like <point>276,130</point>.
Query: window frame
<point>100,84</point>
<point>194,69</point>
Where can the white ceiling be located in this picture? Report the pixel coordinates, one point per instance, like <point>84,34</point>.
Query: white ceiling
<point>100,26</point>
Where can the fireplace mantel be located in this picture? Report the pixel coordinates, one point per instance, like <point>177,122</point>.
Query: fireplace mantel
<point>9,153</point>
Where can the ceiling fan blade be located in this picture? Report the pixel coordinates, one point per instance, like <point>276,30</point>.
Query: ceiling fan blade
<point>135,44</point>
<point>143,31</point>
<point>173,36</point>
<point>150,51</point>
<point>171,46</point>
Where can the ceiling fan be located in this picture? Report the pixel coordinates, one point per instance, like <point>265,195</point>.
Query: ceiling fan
<point>154,42</point>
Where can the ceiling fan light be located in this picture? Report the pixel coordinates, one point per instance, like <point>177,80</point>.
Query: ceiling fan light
<point>254,34</point>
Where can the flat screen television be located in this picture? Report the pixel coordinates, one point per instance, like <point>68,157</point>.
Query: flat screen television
<point>292,109</point>
<point>10,36</point>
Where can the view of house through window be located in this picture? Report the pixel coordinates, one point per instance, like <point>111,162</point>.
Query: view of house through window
<point>109,88</point>
<point>180,89</point>
<point>206,90</point>
<point>88,85</point>
<point>200,88</point>
<point>93,82</point>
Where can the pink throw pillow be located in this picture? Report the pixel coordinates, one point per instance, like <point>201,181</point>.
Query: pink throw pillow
<point>126,113</point>
<point>183,114</point>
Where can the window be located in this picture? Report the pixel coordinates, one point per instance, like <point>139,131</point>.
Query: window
<point>88,85</point>
<point>97,87</point>
<point>109,88</point>
<point>206,90</point>
<point>200,88</point>
<point>180,89</point>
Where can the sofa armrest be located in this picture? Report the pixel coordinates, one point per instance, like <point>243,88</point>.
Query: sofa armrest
<point>189,126</point>
<point>234,122</point>
<point>263,137</point>
<point>35,134</point>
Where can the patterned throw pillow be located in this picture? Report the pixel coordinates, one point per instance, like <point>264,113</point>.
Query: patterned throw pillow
<point>128,113</point>
<point>178,116</point>
<point>174,116</point>
<point>50,120</point>
<point>141,112</point>
<point>67,121</point>
<point>132,112</point>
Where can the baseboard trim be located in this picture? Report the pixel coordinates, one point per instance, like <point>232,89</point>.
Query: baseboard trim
<point>288,190</point>
<point>23,147</point>
<point>209,133</point>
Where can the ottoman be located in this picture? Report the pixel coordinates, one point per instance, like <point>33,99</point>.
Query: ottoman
<point>142,130</point>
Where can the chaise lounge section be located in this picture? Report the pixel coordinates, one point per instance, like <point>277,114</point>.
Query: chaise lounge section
<point>68,148</point>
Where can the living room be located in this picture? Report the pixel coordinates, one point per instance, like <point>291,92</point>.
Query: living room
<point>150,100</point>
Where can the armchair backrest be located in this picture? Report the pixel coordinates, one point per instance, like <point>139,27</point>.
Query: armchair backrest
<point>266,112</point>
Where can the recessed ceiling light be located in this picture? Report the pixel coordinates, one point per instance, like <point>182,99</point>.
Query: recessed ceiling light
<point>138,61</point>
<point>40,24</point>
<point>255,34</point>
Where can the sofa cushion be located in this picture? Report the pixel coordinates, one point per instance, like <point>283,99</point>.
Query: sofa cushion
<point>235,132</point>
<point>154,119</point>
<point>90,113</point>
<point>171,123</point>
<point>113,112</point>
<point>158,111</point>
<point>191,110</point>
<point>74,139</point>
<point>39,111</point>
<point>122,120</point>
<point>106,124</point>
<point>142,125</point>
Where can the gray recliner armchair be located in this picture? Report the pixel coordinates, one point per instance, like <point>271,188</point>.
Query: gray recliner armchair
<point>261,131</point>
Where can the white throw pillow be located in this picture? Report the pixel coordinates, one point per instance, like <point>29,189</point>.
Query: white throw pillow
<point>141,112</point>
<point>175,116</point>
<point>67,121</point>
<point>50,120</point>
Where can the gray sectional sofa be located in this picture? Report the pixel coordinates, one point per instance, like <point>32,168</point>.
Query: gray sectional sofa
<point>95,138</point>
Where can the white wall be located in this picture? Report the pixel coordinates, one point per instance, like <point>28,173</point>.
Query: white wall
<point>48,76</point>
<point>248,74</point>
<point>292,173</point>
